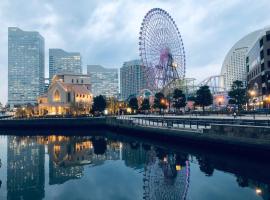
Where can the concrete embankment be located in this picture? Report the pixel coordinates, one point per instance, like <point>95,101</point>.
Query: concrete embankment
<point>223,140</point>
<point>196,138</point>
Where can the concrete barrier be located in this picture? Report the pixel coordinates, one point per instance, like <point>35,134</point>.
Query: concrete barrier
<point>243,131</point>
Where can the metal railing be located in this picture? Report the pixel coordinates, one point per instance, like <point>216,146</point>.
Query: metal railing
<point>165,123</point>
<point>192,123</point>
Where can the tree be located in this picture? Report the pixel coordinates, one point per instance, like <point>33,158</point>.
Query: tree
<point>160,101</point>
<point>145,105</point>
<point>99,104</point>
<point>20,112</point>
<point>100,145</point>
<point>204,97</point>
<point>179,99</point>
<point>78,108</point>
<point>238,94</point>
<point>133,103</point>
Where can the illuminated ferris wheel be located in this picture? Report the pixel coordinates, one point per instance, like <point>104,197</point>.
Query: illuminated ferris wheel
<point>161,49</point>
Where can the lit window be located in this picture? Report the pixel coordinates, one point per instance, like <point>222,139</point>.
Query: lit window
<point>56,96</point>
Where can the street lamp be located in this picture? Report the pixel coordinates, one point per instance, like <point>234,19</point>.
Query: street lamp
<point>253,94</point>
<point>267,99</point>
<point>162,101</point>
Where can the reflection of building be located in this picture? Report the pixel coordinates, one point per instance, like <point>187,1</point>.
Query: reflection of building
<point>67,155</point>
<point>25,66</point>
<point>134,155</point>
<point>104,81</point>
<point>132,79</point>
<point>62,62</point>
<point>258,66</point>
<point>234,64</point>
<point>64,93</point>
<point>25,169</point>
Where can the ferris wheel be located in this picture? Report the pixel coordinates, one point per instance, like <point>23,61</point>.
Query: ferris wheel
<point>161,50</point>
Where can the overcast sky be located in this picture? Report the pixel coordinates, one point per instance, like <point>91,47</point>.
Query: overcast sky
<point>106,31</point>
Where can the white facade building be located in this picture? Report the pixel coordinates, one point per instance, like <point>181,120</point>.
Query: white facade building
<point>234,64</point>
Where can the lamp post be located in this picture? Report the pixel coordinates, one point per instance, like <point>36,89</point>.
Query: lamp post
<point>162,102</point>
<point>253,94</point>
<point>267,101</point>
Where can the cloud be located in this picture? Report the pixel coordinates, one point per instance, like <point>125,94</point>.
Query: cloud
<point>106,32</point>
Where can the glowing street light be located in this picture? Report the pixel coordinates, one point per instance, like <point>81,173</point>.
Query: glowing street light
<point>253,94</point>
<point>162,101</point>
<point>258,191</point>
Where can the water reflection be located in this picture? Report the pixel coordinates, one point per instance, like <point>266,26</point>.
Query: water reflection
<point>25,168</point>
<point>165,174</point>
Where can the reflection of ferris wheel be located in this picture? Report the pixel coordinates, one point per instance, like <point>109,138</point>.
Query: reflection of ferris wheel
<point>164,180</point>
<point>161,49</point>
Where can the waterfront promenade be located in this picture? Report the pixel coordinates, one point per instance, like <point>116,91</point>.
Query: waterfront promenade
<point>242,135</point>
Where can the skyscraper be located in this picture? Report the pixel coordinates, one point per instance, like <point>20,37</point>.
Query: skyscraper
<point>234,64</point>
<point>61,62</point>
<point>104,81</point>
<point>132,78</point>
<point>25,66</point>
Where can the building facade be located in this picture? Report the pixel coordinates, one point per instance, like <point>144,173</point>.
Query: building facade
<point>258,67</point>
<point>132,79</point>
<point>61,62</point>
<point>25,66</point>
<point>104,81</point>
<point>67,94</point>
<point>234,64</point>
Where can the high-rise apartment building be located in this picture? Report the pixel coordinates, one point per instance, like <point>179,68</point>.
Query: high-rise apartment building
<point>62,62</point>
<point>132,78</point>
<point>234,64</point>
<point>25,66</point>
<point>104,81</point>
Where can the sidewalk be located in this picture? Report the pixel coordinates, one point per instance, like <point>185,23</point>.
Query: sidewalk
<point>251,117</point>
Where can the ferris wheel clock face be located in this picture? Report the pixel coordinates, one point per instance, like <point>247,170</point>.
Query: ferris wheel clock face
<point>161,49</point>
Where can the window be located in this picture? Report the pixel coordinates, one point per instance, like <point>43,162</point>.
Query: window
<point>72,80</point>
<point>261,54</point>
<point>77,81</point>
<point>56,96</point>
<point>268,37</point>
<point>263,78</point>
<point>268,52</point>
<point>81,81</point>
<point>262,67</point>
<point>268,63</point>
<point>261,42</point>
<point>68,96</point>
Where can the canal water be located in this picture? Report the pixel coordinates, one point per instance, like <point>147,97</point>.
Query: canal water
<point>113,167</point>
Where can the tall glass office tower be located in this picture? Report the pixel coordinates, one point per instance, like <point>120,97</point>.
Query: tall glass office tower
<point>61,62</point>
<point>104,81</point>
<point>25,66</point>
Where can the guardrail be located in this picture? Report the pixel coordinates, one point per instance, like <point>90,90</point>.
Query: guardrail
<point>168,123</point>
<point>193,123</point>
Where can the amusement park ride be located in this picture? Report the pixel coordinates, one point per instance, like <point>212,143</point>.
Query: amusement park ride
<point>163,56</point>
<point>161,50</point>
